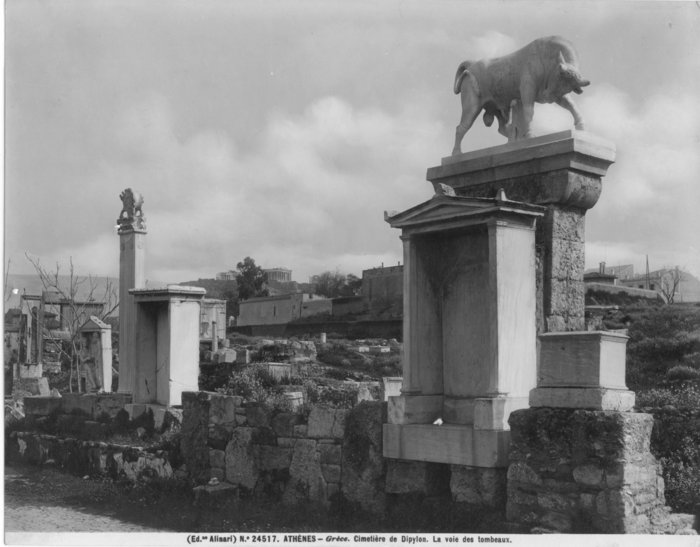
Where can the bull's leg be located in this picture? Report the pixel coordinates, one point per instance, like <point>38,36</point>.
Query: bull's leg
<point>470,111</point>
<point>568,102</point>
<point>527,98</point>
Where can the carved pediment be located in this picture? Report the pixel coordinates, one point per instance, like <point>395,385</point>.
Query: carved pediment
<point>446,208</point>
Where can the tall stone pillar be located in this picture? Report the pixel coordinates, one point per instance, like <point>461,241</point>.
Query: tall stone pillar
<point>132,275</point>
<point>561,171</point>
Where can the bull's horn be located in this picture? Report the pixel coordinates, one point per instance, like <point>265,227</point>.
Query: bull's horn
<point>584,83</point>
<point>560,59</point>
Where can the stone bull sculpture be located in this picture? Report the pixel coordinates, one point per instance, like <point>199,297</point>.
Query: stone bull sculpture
<point>507,88</point>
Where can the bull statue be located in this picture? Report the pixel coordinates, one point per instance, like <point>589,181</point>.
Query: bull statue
<point>507,88</point>
<point>132,202</point>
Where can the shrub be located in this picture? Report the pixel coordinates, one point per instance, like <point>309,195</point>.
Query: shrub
<point>256,384</point>
<point>692,360</point>
<point>683,372</point>
<point>682,487</point>
<point>673,347</point>
<point>686,397</point>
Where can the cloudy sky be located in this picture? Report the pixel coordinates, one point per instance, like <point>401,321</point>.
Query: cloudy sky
<point>282,131</point>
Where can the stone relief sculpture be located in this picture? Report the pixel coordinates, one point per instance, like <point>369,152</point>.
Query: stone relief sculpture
<point>89,356</point>
<point>507,88</point>
<point>131,207</point>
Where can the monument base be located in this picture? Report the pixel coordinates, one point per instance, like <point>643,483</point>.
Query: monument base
<point>589,398</point>
<point>453,444</point>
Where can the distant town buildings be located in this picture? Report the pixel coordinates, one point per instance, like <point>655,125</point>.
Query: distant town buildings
<point>688,289</point>
<point>281,275</point>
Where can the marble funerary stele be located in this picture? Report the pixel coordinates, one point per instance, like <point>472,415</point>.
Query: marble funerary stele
<point>507,88</point>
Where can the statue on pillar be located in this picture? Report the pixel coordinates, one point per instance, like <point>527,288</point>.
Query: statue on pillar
<point>507,88</point>
<point>131,207</point>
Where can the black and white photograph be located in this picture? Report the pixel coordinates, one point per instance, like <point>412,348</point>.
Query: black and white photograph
<point>384,271</point>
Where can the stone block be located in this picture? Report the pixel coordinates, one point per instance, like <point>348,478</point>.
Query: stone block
<point>283,424</point>
<point>217,458</point>
<point>582,359</point>
<point>109,403</point>
<point>217,473</point>
<point>360,349</point>
<point>415,409</point>
<point>493,413</point>
<point>331,472</point>
<point>390,386</point>
<point>241,465</point>
<point>286,442</point>
<point>274,457</point>
<point>520,472</point>
<point>478,485</point>
<point>41,406</point>
<point>194,435</point>
<point>227,356</point>
<point>30,371</point>
<point>567,260</point>
<point>456,444</point>
<point>326,423</point>
<point>222,410</point>
<point>301,431</point>
<point>243,357</point>
<point>306,482</point>
<point>406,477</point>
<point>258,416</point>
<point>23,387</point>
<point>588,475</point>
<point>583,398</point>
<point>72,402</point>
<point>218,492</point>
<point>330,453</point>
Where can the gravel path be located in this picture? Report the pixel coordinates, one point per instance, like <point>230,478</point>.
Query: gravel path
<point>39,501</point>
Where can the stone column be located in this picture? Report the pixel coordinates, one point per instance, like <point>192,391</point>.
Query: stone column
<point>132,275</point>
<point>563,172</point>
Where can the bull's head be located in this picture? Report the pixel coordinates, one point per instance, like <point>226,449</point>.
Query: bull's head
<point>570,76</point>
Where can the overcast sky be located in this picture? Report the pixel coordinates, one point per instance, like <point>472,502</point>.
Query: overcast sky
<point>282,131</point>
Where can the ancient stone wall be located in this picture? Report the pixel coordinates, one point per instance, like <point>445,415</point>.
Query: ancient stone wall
<point>88,457</point>
<point>283,455</point>
<point>586,471</point>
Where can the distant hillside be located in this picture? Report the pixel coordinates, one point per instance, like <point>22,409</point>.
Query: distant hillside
<point>31,285</point>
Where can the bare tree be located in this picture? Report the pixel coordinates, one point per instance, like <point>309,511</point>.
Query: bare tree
<point>74,299</point>
<point>671,278</point>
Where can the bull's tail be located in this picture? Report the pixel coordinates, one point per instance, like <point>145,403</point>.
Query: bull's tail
<point>462,71</point>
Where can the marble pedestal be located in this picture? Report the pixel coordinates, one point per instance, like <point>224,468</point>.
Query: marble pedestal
<point>167,343</point>
<point>469,328</point>
<point>561,171</point>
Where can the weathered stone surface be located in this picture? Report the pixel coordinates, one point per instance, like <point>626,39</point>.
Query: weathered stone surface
<point>217,473</point>
<point>258,416</point>
<point>274,457</point>
<point>478,485</point>
<point>109,403</point>
<point>330,453</point>
<point>283,424</point>
<point>41,406</point>
<point>301,431</point>
<point>588,475</point>
<point>306,482</point>
<point>589,465</point>
<point>363,465</point>
<point>194,434</point>
<point>241,465</point>
<point>406,476</point>
<point>326,423</point>
<point>222,410</point>
<point>217,458</point>
<point>331,473</point>
<point>286,441</point>
<point>219,436</point>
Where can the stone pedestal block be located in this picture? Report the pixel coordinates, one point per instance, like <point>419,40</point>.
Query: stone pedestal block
<point>452,444</point>
<point>563,172</point>
<point>415,409</point>
<point>591,398</point>
<point>582,359</point>
<point>585,471</point>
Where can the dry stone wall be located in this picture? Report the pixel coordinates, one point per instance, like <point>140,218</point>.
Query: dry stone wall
<point>281,455</point>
